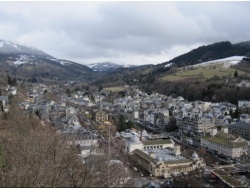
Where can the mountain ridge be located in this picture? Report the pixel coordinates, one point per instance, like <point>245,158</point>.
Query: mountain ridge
<point>108,66</point>
<point>218,50</point>
<point>8,47</point>
<point>28,62</point>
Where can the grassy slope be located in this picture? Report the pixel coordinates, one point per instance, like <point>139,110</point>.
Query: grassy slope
<point>202,72</point>
<point>117,88</point>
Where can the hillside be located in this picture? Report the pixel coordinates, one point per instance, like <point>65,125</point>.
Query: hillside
<point>10,48</point>
<point>27,63</point>
<point>211,52</point>
<point>123,75</point>
<point>210,78</point>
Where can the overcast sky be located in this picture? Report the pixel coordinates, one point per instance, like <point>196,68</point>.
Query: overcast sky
<point>122,32</point>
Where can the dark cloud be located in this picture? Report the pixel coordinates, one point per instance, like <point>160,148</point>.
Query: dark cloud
<point>126,32</point>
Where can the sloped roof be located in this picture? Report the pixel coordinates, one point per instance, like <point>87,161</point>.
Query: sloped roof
<point>156,142</point>
<point>226,140</point>
<point>178,161</point>
<point>240,125</point>
<point>144,155</point>
<point>4,98</point>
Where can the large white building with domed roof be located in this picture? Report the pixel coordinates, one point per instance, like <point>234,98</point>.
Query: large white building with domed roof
<point>161,158</point>
<point>164,163</point>
<point>133,144</point>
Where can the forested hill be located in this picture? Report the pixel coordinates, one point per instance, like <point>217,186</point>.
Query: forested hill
<point>211,52</point>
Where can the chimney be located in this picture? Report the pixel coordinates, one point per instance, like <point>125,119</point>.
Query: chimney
<point>177,150</point>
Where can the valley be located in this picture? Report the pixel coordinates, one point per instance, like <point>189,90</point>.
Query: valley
<point>116,111</point>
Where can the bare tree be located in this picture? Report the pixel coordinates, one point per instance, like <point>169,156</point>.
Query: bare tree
<point>33,155</point>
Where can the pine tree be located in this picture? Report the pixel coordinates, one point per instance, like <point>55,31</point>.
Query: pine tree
<point>100,88</point>
<point>235,74</point>
<point>236,113</point>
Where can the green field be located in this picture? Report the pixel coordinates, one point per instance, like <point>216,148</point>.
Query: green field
<point>117,88</point>
<point>202,73</point>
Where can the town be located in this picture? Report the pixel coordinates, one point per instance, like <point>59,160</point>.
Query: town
<point>160,141</point>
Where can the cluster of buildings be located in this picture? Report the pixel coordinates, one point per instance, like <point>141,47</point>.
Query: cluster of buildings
<point>203,124</point>
<point>195,120</point>
<point>63,117</point>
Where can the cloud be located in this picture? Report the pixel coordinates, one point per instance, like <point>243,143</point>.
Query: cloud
<point>122,32</point>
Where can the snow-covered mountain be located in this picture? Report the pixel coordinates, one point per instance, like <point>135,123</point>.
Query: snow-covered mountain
<point>106,66</point>
<point>7,47</point>
<point>23,61</point>
<point>227,62</point>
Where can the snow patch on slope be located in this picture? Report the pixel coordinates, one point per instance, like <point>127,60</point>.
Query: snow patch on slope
<point>91,65</point>
<point>64,62</point>
<point>169,65</point>
<point>22,60</point>
<point>227,62</point>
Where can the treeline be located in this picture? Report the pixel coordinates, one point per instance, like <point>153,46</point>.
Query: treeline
<point>211,52</point>
<point>243,65</point>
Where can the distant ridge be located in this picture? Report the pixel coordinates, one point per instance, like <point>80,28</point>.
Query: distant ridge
<point>211,52</point>
<point>107,66</point>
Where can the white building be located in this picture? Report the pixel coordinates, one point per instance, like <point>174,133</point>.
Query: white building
<point>225,144</point>
<point>136,115</point>
<point>242,103</point>
<point>135,143</point>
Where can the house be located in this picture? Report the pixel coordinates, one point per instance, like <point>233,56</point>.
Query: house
<point>24,105</point>
<point>101,116</point>
<point>13,90</point>
<point>135,114</point>
<point>70,111</point>
<point>243,103</point>
<point>82,138</point>
<point>245,118</point>
<point>225,144</point>
<point>73,119</point>
<point>4,103</point>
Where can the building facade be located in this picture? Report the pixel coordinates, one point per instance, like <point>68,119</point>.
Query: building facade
<point>101,116</point>
<point>159,167</point>
<point>194,125</point>
<point>161,158</point>
<point>225,144</point>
